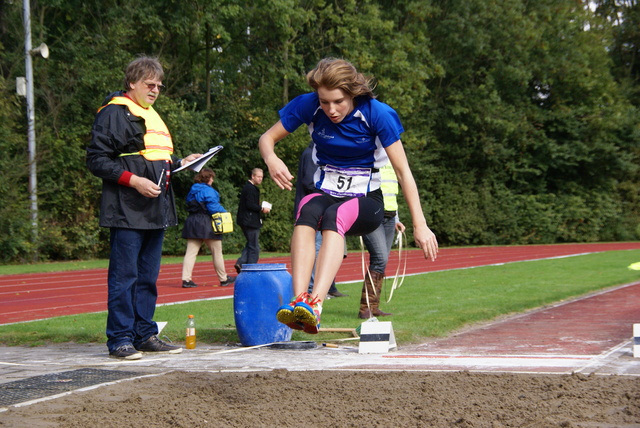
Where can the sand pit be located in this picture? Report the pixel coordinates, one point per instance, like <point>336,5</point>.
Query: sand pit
<point>344,399</point>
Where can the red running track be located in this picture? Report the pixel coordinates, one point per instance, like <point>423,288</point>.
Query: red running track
<point>39,296</point>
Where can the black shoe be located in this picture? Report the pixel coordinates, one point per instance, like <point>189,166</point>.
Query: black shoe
<point>230,280</point>
<point>337,294</point>
<point>153,344</point>
<point>189,284</point>
<point>238,268</point>
<point>126,352</point>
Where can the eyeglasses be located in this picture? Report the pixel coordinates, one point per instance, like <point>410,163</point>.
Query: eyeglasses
<point>152,86</point>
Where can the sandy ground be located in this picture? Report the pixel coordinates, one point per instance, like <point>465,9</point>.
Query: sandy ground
<point>362,398</point>
<point>344,399</point>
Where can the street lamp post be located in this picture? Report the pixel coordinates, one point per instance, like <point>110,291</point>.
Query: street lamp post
<point>31,119</point>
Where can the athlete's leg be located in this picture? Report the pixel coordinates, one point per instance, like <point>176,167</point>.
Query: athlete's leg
<point>303,241</point>
<point>303,254</point>
<point>355,216</point>
<point>329,261</point>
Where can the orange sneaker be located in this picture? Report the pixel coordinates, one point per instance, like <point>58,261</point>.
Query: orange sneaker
<point>285,313</point>
<point>307,313</point>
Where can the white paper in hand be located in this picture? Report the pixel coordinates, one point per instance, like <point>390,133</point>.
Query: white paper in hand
<point>197,164</point>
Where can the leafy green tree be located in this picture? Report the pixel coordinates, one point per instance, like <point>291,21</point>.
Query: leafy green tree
<point>15,215</point>
<point>526,106</point>
<point>521,117</point>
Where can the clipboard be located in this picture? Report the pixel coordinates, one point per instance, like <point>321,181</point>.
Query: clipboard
<point>197,164</point>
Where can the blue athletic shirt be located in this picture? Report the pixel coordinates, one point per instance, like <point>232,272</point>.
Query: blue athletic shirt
<point>357,141</point>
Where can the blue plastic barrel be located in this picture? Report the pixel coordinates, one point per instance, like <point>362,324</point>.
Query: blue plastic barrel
<point>259,291</point>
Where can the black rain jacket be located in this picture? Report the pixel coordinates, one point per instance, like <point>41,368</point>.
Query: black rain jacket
<point>115,131</point>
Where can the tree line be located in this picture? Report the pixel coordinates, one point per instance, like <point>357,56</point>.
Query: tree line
<point>521,117</point>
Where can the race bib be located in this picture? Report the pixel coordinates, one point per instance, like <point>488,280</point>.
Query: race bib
<point>346,182</point>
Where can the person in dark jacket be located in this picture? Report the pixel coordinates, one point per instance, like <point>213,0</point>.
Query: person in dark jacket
<point>249,218</point>
<point>202,201</point>
<point>131,150</point>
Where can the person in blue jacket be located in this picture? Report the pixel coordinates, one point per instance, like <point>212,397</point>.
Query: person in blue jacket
<point>354,135</point>
<point>203,201</point>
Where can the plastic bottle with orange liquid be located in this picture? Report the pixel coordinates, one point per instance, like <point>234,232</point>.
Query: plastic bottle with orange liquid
<point>190,342</point>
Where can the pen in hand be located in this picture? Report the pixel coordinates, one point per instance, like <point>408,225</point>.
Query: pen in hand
<point>161,175</point>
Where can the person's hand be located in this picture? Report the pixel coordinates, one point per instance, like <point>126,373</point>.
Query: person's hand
<point>279,173</point>
<point>426,240</point>
<point>191,157</point>
<point>266,210</point>
<point>400,227</point>
<point>145,187</point>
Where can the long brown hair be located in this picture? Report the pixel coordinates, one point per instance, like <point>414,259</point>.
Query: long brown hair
<point>335,73</point>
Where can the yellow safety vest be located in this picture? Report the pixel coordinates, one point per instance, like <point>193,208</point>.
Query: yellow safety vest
<point>389,187</point>
<point>158,144</point>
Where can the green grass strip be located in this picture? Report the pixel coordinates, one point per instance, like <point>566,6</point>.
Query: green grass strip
<point>426,306</point>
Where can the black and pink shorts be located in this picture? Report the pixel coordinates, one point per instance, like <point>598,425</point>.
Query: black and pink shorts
<point>347,216</point>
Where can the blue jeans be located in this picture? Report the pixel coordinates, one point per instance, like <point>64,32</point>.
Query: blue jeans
<point>379,243</point>
<point>134,266</point>
<point>251,251</point>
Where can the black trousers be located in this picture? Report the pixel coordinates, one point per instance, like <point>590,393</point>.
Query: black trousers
<point>251,251</point>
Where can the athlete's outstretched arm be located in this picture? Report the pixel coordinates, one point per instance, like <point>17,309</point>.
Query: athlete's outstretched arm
<point>423,236</point>
<point>277,168</point>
